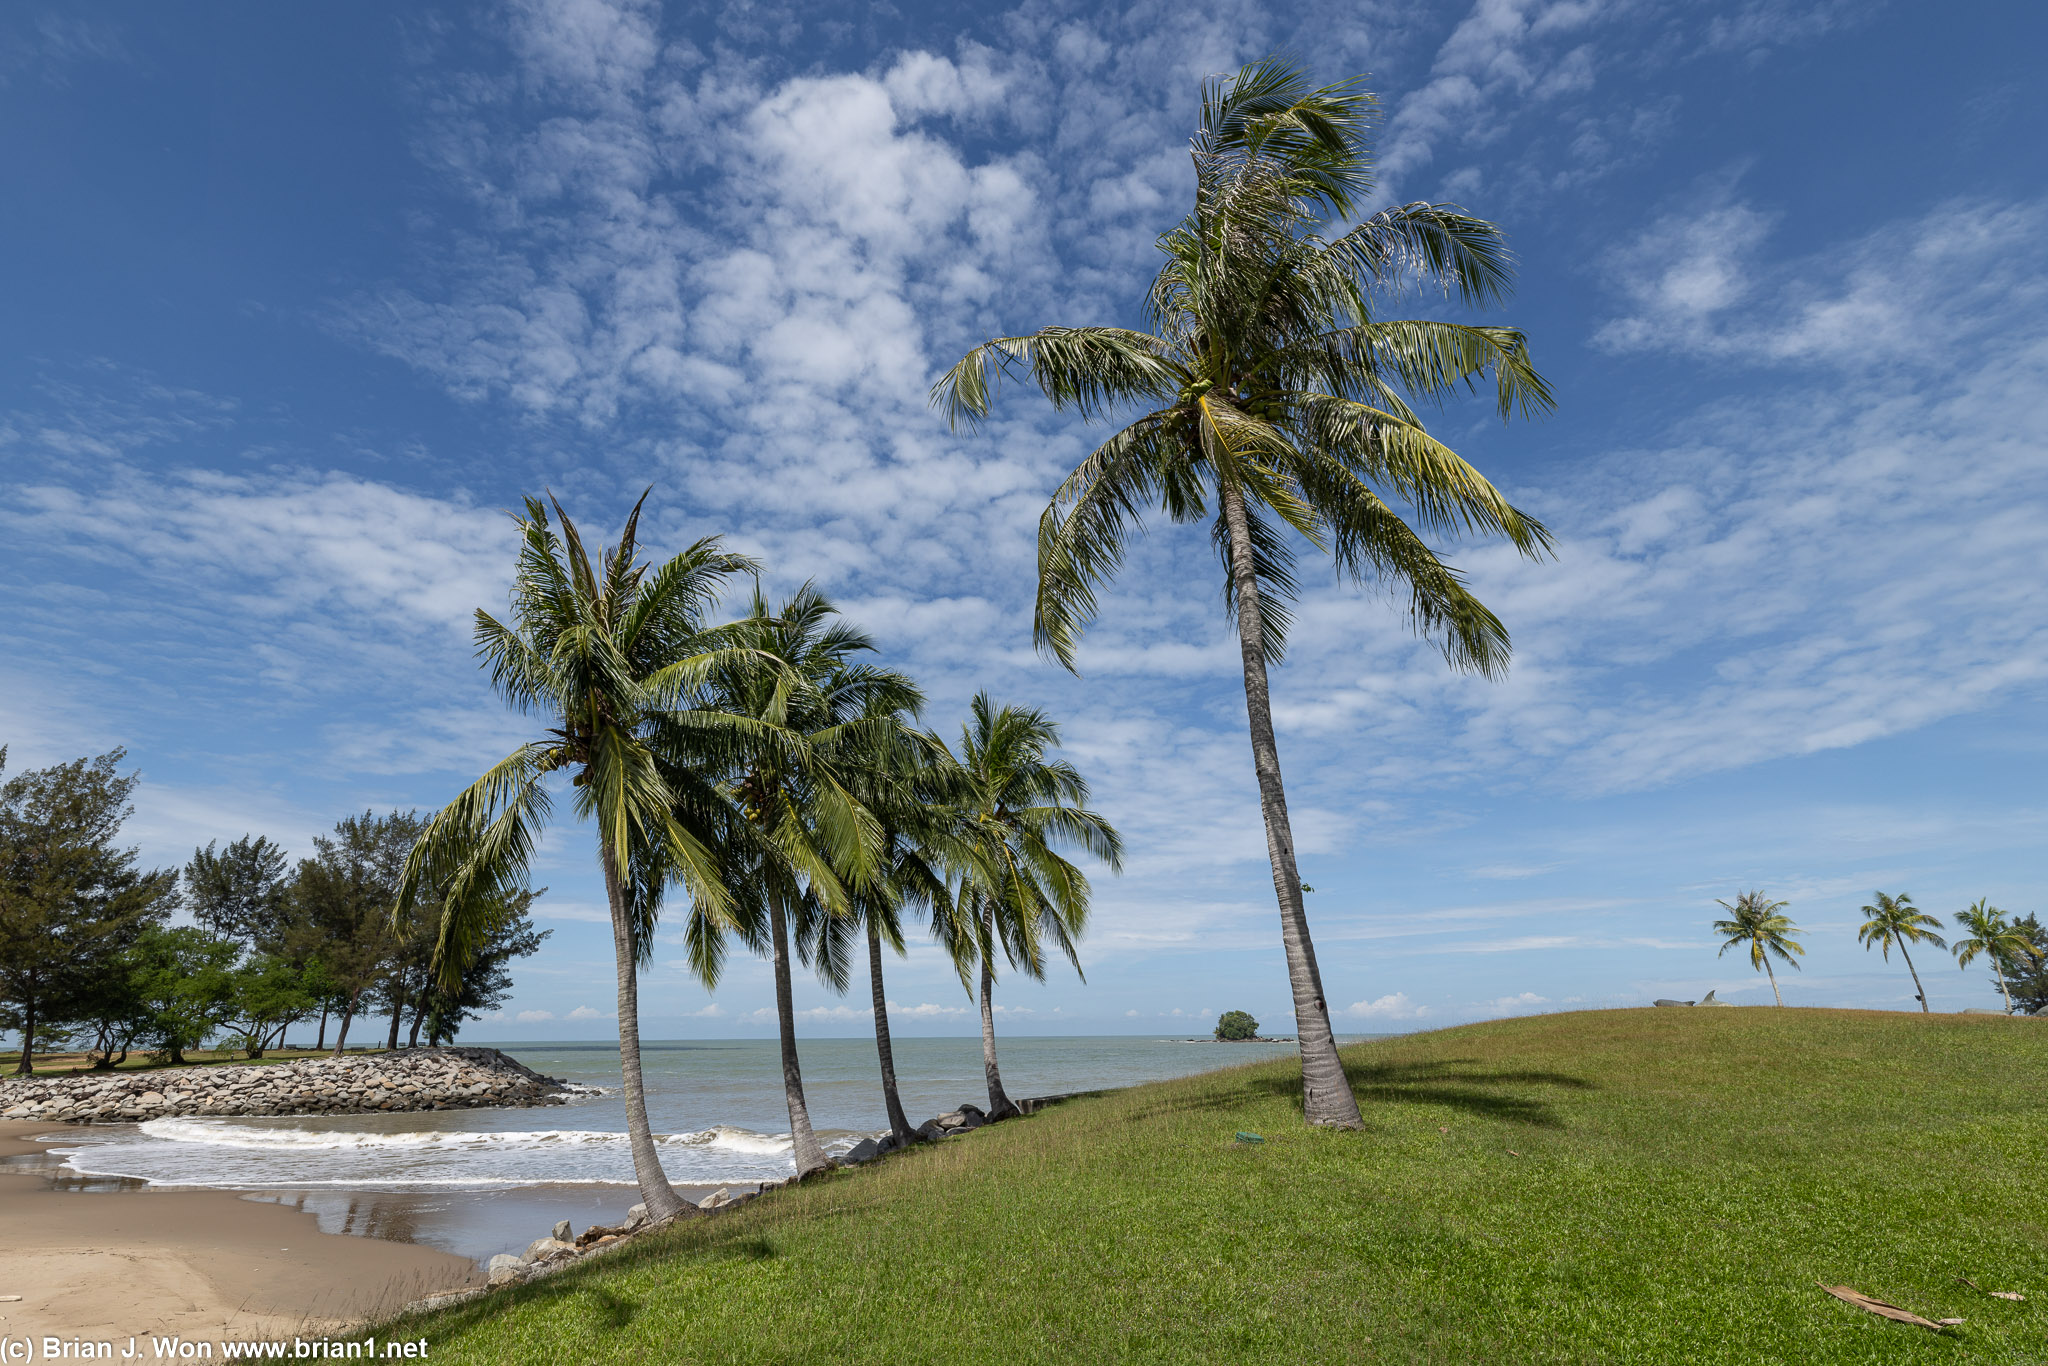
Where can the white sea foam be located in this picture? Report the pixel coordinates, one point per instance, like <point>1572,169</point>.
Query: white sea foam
<point>285,1153</point>
<point>227,1133</point>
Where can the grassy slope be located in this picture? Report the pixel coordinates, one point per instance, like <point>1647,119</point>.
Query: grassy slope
<point>1683,1179</point>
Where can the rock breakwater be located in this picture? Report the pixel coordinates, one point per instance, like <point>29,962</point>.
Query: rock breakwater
<point>410,1079</point>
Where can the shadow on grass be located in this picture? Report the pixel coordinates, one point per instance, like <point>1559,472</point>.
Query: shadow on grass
<point>1457,1083</point>
<point>612,1309</point>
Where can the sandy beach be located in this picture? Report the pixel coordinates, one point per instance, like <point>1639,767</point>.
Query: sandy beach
<point>122,1259</point>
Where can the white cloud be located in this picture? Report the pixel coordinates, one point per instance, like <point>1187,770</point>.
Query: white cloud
<point>1522,1002</point>
<point>587,1013</point>
<point>278,546</point>
<point>1899,295</point>
<point>534,1016</point>
<point>581,912</point>
<point>1396,1006</point>
<point>925,1010</point>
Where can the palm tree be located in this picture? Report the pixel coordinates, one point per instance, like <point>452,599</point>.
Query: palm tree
<point>608,654</point>
<point>1015,890</point>
<point>1273,403</point>
<point>1756,921</point>
<point>916,841</point>
<point>810,844</point>
<point>1895,920</point>
<point>1992,935</point>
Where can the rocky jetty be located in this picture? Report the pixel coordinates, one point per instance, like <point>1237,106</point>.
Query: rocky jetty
<point>410,1079</point>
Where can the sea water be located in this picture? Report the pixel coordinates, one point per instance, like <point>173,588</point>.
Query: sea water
<point>716,1106</point>
<point>478,1182</point>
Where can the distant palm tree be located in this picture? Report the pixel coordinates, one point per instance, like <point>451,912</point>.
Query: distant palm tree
<point>1757,921</point>
<point>1016,893</point>
<point>609,655</point>
<point>1997,938</point>
<point>1277,415</point>
<point>1896,920</point>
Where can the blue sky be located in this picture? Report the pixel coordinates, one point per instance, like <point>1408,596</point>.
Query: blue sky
<point>298,300</point>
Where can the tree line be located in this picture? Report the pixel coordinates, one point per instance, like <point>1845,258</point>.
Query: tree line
<point>2016,949</point>
<point>90,957</point>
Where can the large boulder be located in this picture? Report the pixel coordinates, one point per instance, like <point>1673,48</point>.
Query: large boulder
<point>867,1150</point>
<point>540,1249</point>
<point>564,1232</point>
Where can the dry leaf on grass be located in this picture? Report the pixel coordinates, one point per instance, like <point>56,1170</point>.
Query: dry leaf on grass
<point>1883,1310</point>
<point>1994,1294</point>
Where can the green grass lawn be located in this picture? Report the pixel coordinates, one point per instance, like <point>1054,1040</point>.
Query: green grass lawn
<point>1658,1186</point>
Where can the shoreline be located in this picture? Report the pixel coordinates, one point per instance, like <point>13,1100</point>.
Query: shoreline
<point>125,1259</point>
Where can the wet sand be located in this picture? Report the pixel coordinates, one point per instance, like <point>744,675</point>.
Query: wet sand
<point>114,1259</point>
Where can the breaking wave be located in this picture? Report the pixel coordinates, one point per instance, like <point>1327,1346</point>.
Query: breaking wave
<point>284,1154</point>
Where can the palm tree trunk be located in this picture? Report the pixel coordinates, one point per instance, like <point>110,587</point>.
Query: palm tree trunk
<point>1325,1095</point>
<point>1916,977</point>
<point>899,1123</point>
<point>803,1143</point>
<point>655,1192</point>
<point>2000,970</point>
<point>320,1043</point>
<point>1774,984</point>
<point>999,1103</point>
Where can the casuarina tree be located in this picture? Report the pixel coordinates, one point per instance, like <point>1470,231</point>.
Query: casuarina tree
<point>72,901</point>
<point>1269,400</point>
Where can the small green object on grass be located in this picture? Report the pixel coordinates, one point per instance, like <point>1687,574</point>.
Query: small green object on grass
<point>1243,1137</point>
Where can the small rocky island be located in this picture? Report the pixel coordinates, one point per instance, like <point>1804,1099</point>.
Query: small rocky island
<point>410,1079</point>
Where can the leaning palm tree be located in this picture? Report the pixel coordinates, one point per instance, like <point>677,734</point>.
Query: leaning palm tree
<point>1271,403</point>
<point>1760,923</point>
<point>608,654</point>
<point>1995,937</point>
<point>1016,892</point>
<point>819,721</point>
<point>1895,920</point>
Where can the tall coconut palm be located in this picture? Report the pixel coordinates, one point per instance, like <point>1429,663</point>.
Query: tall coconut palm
<point>608,655</point>
<point>917,842</point>
<point>820,719</point>
<point>1276,407</point>
<point>1016,893</point>
<point>1996,938</point>
<point>1895,920</point>
<point>1760,923</point>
